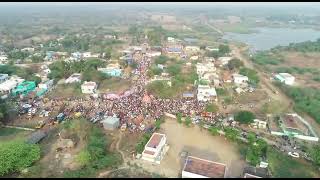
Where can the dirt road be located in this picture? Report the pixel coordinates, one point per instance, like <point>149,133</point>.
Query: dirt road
<point>267,85</point>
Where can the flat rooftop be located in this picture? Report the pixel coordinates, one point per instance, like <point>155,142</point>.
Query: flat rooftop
<point>204,167</point>
<point>155,140</point>
<point>286,75</point>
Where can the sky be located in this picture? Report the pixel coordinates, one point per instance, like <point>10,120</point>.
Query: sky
<point>163,3</point>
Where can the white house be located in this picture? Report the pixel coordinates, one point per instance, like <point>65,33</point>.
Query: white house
<point>206,93</point>
<point>192,48</point>
<point>153,53</point>
<point>195,167</point>
<point>28,49</point>
<point>10,84</point>
<point>194,58</point>
<point>86,54</point>
<point>76,77</point>
<point>171,40</point>
<point>210,48</point>
<point>224,60</point>
<point>89,87</point>
<point>3,59</point>
<point>239,79</point>
<point>259,124</point>
<point>203,68</point>
<point>155,149</point>
<point>286,78</point>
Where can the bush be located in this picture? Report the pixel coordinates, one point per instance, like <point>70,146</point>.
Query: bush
<point>16,156</point>
<point>212,108</point>
<point>140,146</point>
<point>231,133</point>
<point>251,74</point>
<point>244,117</point>
<point>214,131</point>
<point>234,63</point>
<point>187,121</point>
<point>174,69</point>
<point>179,118</point>
<point>161,59</point>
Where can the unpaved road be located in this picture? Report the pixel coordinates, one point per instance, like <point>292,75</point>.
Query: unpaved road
<point>269,87</point>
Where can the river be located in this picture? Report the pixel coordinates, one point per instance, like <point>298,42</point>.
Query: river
<point>267,38</point>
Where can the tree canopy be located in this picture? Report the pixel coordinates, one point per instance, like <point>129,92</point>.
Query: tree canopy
<point>234,63</point>
<point>17,155</point>
<point>244,117</point>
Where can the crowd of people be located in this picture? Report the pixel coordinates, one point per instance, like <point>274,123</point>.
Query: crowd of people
<point>137,103</point>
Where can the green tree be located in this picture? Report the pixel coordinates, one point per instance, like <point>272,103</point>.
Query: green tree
<point>212,108</point>
<point>161,59</point>
<point>251,74</point>
<point>16,156</point>
<point>244,117</point>
<point>224,49</point>
<point>179,117</point>
<point>231,133</point>
<point>214,131</point>
<point>174,69</point>
<point>234,63</point>
<point>187,121</point>
<point>315,154</point>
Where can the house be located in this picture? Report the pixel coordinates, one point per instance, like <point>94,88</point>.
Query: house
<point>110,123</point>
<point>76,56</point>
<point>203,68</point>
<point>109,36</point>
<point>239,79</point>
<point>112,70</point>
<point>3,78</point>
<point>227,77</point>
<point>46,85</point>
<point>155,148</point>
<point>3,59</point>
<point>24,88</point>
<point>255,172</point>
<point>8,86</point>
<point>209,59</point>
<point>28,49</point>
<point>188,95</point>
<point>206,93</point>
<point>171,39</point>
<point>76,77</point>
<point>86,54</point>
<point>89,87</point>
<point>259,124</point>
<point>192,48</point>
<point>286,78</point>
<point>174,50</point>
<point>224,60</point>
<point>210,77</point>
<point>153,53</point>
<point>195,167</point>
<point>190,40</point>
<point>211,48</point>
<point>194,58</point>
<point>294,125</point>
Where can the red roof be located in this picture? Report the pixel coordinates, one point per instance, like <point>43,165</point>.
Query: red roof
<point>204,167</point>
<point>155,140</point>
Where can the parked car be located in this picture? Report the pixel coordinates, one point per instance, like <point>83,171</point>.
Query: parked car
<point>294,154</point>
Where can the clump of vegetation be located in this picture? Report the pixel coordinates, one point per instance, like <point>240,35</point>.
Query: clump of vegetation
<point>25,73</point>
<point>223,50</point>
<point>308,46</point>
<point>264,58</point>
<point>159,122</point>
<point>231,133</point>
<point>17,155</point>
<point>212,108</point>
<point>257,148</point>
<point>143,141</point>
<point>174,69</point>
<point>214,130</point>
<point>234,63</point>
<point>179,118</point>
<point>306,99</point>
<point>251,74</point>
<point>244,117</point>
<point>187,121</point>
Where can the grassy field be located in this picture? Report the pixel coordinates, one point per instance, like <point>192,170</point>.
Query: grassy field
<point>10,134</point>
<point>114,84</point>
<point>283,166</point>
<point>66,90</point>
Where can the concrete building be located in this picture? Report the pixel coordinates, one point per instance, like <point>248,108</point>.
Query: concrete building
<point>46,85</point>
<point>206,93</point>
<point>200,168</point>
<point>259,124</point>
<point>3,59</point>
<point>171,39</point>
<point>239,79</point>
<point>110,123</point>
<point>224,60</point>
<point>76,77</point>
<point>155,149</point>
<point>192,48</point>
<point>112,70</point>
<point>3,78</point>
<point>89,87</point>
<point>286,78</point>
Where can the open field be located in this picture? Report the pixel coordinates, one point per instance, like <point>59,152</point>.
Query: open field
<point>65,91</point>
<point>114,84</point>
<point>198,143</point>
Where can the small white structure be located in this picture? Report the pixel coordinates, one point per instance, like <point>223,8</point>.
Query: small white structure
<point>171,40</point>
<point>10,84</point>
<point>259,124</point>
<point>224,60</point>
<point>86,54</point>
<point>28,49</point>
<point>210,48</point>
<point>153,53</point>
<point>204,68</point>
<point>110,122</point>
<point>3,59</point>
<point>194,58</point>
<point>195,167</point>
<point>192,48</point>
<point>89,87</point>
<point>46,85</point>
<point>206,93</point>
<point>286,78</point>
<point>76,77</point>
<point>155,149</point>
<point>239,79</point>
